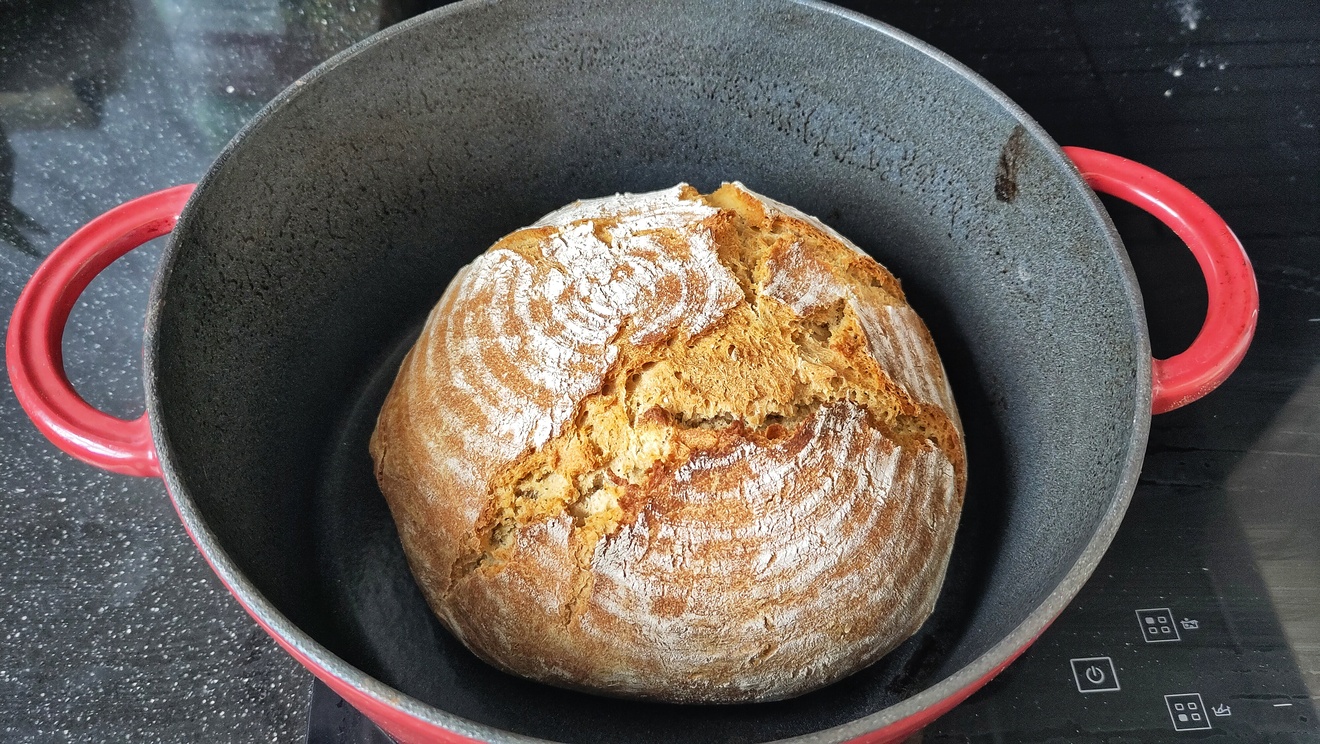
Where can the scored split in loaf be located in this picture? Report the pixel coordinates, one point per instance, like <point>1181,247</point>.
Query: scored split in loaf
<point>674,446</point>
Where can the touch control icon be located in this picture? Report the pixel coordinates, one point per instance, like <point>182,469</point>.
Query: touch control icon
<point>1094,674</point>
<point>1187,712</point>
<point>1157,625</point>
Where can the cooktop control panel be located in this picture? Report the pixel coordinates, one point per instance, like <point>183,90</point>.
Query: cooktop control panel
<point>1172,638</point>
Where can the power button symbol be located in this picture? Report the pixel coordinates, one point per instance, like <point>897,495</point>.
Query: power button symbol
<point>1094,674</point>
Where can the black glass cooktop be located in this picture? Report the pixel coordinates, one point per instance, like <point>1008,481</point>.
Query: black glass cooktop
<point>1202,621</point>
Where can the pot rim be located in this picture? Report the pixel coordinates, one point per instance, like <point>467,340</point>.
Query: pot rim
<point>954,687</point>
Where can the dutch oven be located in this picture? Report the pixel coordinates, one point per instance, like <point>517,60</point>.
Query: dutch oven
<point>299,269</point>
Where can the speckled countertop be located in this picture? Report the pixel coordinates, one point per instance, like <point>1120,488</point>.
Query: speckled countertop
<point>112,626</point>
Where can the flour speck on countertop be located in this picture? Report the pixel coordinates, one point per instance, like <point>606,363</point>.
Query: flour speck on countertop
<point>1189,13</point>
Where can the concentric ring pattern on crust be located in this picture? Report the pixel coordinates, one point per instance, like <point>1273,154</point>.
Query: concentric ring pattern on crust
<point>674,446</point>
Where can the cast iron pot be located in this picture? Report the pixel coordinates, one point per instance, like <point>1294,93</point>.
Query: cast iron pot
<point>301,265</point>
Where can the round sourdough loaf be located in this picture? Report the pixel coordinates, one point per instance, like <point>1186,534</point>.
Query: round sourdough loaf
<point>673,446</point>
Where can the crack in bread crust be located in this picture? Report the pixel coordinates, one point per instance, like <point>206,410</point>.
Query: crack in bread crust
<point>787,328</point>
<point>788,365</point>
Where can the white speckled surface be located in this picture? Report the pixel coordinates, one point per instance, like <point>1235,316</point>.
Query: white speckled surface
<point>112,628</point>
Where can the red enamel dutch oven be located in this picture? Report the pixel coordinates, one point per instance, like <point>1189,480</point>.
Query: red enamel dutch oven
<point>300,266</point>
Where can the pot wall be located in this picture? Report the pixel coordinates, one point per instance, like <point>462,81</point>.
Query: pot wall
<point>333,222</point>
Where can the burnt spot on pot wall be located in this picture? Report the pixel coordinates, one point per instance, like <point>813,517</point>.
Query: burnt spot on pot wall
<point>1010,157</point>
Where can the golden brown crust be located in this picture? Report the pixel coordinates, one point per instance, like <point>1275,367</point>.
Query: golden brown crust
<point>675,447</point>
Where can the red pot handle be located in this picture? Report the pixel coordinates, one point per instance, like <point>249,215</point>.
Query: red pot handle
<point>1230,319</point>
<point>33,350</point>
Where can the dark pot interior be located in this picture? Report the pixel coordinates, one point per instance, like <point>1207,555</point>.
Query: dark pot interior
<point>327,230</point>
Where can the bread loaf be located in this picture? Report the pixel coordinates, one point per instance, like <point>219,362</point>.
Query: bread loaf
<point>678,447</point>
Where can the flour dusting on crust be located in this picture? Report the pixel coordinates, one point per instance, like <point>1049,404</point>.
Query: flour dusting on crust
<point>798,552</point>
<point>522,341</point>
